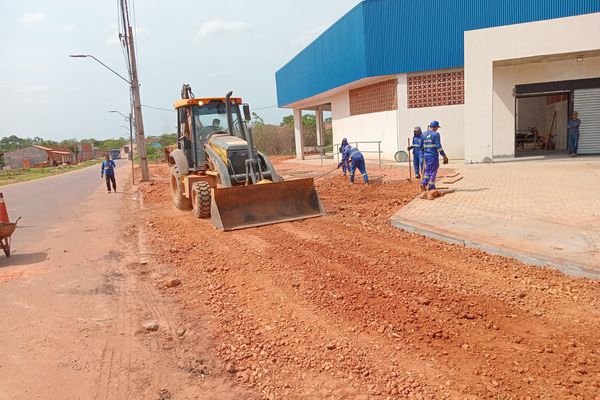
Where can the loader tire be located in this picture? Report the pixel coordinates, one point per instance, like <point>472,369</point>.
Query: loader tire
<point>179,200</point>
<point>201,199</point>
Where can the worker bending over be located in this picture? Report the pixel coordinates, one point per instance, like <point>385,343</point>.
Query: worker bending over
<point>356,160</point>
<point>417,151</point>
<point>432,148</point>
<point>344,144</point>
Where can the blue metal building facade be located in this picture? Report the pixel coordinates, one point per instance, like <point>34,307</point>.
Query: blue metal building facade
<point>385,37</point>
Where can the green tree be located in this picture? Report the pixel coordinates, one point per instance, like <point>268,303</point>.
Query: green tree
<point>288,120</point>
<point>167,139</point>
<point>309,123</point>
<point>256,120</point>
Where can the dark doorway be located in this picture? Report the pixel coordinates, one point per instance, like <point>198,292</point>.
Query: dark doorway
<point>540,123</point>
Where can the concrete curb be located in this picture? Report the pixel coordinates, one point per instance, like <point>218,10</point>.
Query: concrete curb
<point>569,269</point>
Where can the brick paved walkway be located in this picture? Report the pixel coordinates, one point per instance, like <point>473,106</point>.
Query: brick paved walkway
<point>544,212</point>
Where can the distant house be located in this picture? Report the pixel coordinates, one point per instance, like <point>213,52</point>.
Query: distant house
<point>37,156</point>
<point>86,151</point>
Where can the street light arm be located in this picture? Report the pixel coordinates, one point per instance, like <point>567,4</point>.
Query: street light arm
<point>100,62</point>
<point>119,112</point>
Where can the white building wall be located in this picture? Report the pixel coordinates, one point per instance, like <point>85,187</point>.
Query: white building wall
<point>489,105</point>
<point>379,126</point>
<point>394,128</point>
<point>450,118</point>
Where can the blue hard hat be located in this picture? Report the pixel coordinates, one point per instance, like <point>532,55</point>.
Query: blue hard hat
<point>344,141</point>
<point>434,124</point>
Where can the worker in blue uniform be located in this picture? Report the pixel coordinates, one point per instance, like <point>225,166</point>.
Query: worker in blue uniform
<point>432,149</point>
<point>344,144</point>
<point>108,172</point>
<point>417,151</point>
<point>356,160</point>
<point>573,133</point>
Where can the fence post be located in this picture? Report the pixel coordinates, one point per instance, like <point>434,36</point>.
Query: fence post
<point>379,152</point>
<point>321,154</point>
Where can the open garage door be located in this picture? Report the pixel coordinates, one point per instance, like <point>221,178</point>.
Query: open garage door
<point>587,104</point>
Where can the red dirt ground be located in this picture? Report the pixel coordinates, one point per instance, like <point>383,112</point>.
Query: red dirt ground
<point>347,307</point>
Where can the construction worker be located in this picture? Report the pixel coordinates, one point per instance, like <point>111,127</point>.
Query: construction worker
<point>432,148</point>
<point>108,172</point>
<point>417,151</point>
<point>344,144</point>
<point>356,160</point>
<point>573,136</point>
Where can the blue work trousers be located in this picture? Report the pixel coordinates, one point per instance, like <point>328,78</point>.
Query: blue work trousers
<point>432,164</point>
<point>345,168</point>
<point>418,163</point>
<point>359,164</point>
<point>573,142</point>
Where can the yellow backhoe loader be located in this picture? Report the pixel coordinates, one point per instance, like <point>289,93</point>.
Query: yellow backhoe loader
<point>217,172</point>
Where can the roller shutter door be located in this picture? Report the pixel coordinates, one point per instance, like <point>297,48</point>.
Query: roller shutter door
<point>587,104</point>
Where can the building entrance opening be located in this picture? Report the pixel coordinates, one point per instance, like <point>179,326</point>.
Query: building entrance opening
<point>540,123</point>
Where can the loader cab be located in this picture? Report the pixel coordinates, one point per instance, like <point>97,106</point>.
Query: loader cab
<point>199,119</point>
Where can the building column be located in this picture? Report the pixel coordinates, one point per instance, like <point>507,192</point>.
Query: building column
<point>320,130</point>
<point>299,134</point>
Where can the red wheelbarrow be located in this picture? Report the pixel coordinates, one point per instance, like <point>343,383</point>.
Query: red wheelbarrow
<point>6,231</point>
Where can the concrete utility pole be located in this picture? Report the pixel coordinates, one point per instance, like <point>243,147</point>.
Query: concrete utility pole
<point>137,108</point>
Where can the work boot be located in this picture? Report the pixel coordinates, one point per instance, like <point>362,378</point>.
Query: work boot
<point>423,187</point>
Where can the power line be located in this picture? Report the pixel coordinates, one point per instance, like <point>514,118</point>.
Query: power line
<point>157,108</point>
<point>264,108</point>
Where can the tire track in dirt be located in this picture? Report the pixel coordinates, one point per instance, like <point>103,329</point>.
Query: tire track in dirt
<point>294,298</point>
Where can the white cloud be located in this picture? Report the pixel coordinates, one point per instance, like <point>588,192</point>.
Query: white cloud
<point>23,88</point>
<point>33,17</point>
<point>217,74</point>
<point>68,28</point>
<point>220,27</point>
<point>113,40</point>
<point>141,32</point>
<point>308,36</point>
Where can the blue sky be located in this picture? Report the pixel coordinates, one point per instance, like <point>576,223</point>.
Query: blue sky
<point>213,45</point>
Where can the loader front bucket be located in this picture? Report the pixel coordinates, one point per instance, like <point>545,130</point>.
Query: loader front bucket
<point>240,207</point>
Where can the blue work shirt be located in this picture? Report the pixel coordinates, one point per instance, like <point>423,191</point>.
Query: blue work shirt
<point>573,126</point>
<point>108,167</point>
<point>416,143</point>
<point>431,144</point>
<point>351,154</point>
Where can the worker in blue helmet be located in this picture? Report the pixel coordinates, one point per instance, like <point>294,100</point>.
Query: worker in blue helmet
<point>432,149</point>
<point>356,160</point>
<point>417,151</point>
<point>344,144</point>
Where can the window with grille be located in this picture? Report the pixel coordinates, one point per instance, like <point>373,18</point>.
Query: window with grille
<point>381,96</point>
<point>436,90</point>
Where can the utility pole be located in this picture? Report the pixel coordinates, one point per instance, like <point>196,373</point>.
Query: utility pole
<point>137,108</point>
<point>135,91</point>
<point>131,148</point>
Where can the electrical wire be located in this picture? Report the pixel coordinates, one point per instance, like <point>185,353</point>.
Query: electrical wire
<point>157,108</point>
<point>264,108</point>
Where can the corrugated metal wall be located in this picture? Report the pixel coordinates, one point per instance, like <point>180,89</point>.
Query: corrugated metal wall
<point>410,36</point>
<point>383,37</point>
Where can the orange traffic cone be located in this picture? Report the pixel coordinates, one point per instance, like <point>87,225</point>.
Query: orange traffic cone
<point>3,213</point>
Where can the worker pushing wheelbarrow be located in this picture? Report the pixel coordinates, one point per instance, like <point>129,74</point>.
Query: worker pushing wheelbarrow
<point>7,228</point>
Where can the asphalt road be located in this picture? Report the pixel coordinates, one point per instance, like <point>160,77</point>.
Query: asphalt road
<point>45,203</point>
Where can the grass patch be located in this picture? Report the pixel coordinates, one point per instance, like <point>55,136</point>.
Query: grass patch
<point>22,175</point>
